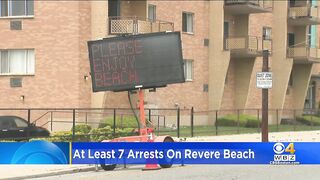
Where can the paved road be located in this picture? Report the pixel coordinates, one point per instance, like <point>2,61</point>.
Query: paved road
<point>192,172</point>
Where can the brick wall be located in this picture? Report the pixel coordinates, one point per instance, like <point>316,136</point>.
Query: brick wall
<point>54,33</point>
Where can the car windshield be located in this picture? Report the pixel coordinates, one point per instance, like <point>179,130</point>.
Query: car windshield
<point>20,123</point>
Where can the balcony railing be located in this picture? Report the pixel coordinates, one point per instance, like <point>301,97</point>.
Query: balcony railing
<point>251,44</point>
<point>304,53</point>
<point>135,25</point>
<point>265,4</point>
<point>305,15</point>
<point>303,11</point>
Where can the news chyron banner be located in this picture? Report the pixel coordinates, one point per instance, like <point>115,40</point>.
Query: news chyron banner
<point>196,153</point>
<point>43,152</point>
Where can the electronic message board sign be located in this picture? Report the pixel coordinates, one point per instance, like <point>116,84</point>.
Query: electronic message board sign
<point>136,61</point>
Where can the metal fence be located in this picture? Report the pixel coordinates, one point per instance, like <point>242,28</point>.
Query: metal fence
<point>99,124</point>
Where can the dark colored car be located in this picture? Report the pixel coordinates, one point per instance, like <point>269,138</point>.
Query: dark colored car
<point>13,127</point>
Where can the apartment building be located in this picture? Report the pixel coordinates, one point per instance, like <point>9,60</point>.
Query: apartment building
<point>44,59</point>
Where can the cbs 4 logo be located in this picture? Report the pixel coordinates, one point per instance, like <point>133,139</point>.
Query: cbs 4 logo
<point>279,149</point>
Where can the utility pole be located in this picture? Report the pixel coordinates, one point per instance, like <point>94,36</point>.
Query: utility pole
<point>265,99</point>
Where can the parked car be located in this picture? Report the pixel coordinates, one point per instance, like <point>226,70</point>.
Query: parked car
<point>17,128</point>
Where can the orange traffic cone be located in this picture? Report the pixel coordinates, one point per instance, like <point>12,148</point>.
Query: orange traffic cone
<point>151,165</point>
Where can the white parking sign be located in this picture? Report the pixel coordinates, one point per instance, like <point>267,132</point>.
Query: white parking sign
<point>264,80</point>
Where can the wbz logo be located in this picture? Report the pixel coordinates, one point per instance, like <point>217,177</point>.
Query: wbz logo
<point>282,152</point>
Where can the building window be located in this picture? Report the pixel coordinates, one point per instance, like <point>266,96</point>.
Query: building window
<point>16,8</point>
<point>188,69</point>
<point>17,62</point>
<point>267,33</point>
<point>152,12</point>
<point>187,22</point>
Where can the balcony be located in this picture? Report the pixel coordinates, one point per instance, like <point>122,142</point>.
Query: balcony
<point>303,16</point>
<point>247,47</point>
<point>248,6</point>
<point>304,55</point>
<point>135,25</point>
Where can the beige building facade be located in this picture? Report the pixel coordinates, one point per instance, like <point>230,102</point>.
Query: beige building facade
<point>44,57</point>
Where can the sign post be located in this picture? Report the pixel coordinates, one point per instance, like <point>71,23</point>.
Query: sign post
<point>265,82</point>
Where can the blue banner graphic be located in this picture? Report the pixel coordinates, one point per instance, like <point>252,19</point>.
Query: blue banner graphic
<point>35,152</point>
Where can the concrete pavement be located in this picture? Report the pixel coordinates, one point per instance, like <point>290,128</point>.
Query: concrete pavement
<point>298,136</point>
<point>201,172</point>
<point>34,171</point>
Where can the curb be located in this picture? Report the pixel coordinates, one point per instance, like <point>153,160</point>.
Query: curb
<point>62,172</point>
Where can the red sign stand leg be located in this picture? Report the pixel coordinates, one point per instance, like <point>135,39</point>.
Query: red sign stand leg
<point>151,164</point>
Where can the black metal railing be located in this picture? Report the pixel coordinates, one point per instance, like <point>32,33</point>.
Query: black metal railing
<point>80,124</point>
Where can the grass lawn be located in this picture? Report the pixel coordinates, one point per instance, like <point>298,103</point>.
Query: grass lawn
<point>185,131</point>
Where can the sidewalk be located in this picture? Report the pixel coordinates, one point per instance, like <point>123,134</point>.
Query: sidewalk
<point>297,136</point>
<point>33,171</point>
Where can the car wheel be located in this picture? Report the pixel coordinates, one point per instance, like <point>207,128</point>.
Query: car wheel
<point>108,167</point>
<point>166,163</point>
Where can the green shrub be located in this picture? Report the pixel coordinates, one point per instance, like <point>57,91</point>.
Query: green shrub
<point>244,121</point>
<point>43,139</point>
<point>82,128</point>
<point>82,134</point>
<point>309,120</point>
<point>65,136</point>
<point>100,134</point>
<point>106,133</point>
<point>252,123</point>
<point>303,120</point>
<point>121,122</point>
<point>125,132</point>
<point>60,136</point>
